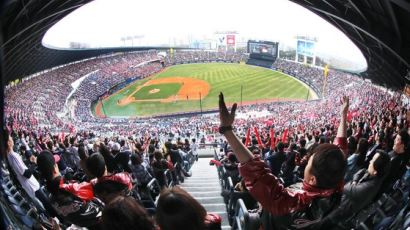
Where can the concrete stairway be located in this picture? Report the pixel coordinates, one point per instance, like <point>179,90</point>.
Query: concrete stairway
<point>205,187</point>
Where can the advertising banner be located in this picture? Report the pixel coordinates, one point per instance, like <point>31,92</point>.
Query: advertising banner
<point>230,39</point>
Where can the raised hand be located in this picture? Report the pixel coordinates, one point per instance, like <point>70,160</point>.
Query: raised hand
<point>345,105</point>
<point>225,117</point>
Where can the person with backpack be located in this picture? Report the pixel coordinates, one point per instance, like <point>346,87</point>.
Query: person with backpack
<point>73,201</point>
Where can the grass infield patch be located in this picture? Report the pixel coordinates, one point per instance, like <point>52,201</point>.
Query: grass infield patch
<point>165,90</point>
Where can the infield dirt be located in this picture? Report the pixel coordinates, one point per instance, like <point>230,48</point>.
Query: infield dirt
<point>191,89</point>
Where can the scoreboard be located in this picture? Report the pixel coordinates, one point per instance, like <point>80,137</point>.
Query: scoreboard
<point>305,47</point>
<point>265,50</point>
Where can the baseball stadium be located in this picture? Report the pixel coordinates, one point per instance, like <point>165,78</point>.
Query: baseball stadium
<point>186,115</point>
<point>195,87</point>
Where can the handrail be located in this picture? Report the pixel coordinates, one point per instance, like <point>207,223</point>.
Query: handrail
<point>152,183</point>
<point>153,186</point>
<point>230,183</point>
<point>241,216</point>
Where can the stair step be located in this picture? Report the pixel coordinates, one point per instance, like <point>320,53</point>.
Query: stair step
<point>205,194</point>
<point>204,189</point>
<point>217,207</point>
<point>204,186</point>
<point>190,185</point>
<point>204,179</point>
<point>198,184</point>
<point>210,170</point>
<point>210,200</point>
<point>207,176</point>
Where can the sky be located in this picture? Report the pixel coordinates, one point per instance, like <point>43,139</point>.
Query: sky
<point>102,23</point>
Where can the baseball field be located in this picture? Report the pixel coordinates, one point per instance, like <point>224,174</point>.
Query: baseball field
<point>185,88</point>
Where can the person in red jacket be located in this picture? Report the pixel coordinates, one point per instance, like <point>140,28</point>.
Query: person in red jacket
<point>73,201</point>
<point>292,207</point>
<point>107,186</point>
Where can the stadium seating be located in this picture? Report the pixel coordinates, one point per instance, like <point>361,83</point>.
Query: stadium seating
<point>20,204</point>
<point>45,112</point>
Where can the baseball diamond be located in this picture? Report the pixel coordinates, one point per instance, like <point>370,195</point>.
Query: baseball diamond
<point>187,87</point>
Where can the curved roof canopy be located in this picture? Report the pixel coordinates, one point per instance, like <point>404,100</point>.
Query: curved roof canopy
<point>24,24</point>
<point>379,28</point>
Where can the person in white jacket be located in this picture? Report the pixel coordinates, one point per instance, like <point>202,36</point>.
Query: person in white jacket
<point>194,148</point>
<point>25,176</point>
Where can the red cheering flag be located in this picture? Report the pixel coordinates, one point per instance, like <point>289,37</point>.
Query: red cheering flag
<point>272,138</point>
<point>285,136</point>
<point>61,137</point>
<point>215,162</point>
<point>258,137</point>
<point>248,134</point>
<point>349,116</point>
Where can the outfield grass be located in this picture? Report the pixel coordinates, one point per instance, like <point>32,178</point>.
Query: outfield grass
<point>257,84</point>
<point>165,91</point>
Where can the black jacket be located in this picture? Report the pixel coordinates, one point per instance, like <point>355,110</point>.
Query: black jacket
<point>397,168</point>
<point>313,217</point>
<point>159,167</point>
<point>175,156</point>
<point>275,162</point>
<point>73,209</point>
<point>357,194</point>
<point>370,153</point>
<point>362,190</point>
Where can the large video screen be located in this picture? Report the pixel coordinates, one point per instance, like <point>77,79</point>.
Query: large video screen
<point>262,48</point>
<point>306,48</point>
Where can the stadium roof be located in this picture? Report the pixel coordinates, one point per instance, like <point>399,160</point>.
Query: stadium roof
<point>379,28</point>
<point>24,24</point>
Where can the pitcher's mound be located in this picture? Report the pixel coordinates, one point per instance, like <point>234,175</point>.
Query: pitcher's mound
<point>152,91</point>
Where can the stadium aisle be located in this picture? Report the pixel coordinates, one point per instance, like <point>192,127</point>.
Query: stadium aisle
<point>204,186</point>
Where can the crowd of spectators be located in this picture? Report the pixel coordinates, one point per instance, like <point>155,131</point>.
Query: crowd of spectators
<point>80,179</point>
<point>36,101</point>
<point>183,57</point>
<point>372,138</point>
<point>375,139</point>
<point>309,74</point>
<point>99,83</point>
<point>282,114</point>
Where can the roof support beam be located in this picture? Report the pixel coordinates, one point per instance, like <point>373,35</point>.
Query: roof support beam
<point>23,12</point>
<point>377,6</point>
<point>403,4</point>
<point>367,3</point>
<point>309,2</point>
<point>38,32</point>
<point>46,6</point>
<point>393,19</point>
<point>358,34</point>
<point>39,21</point>
<point>323,12</point>
<point>331,6</point>
<point>358,11</point>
